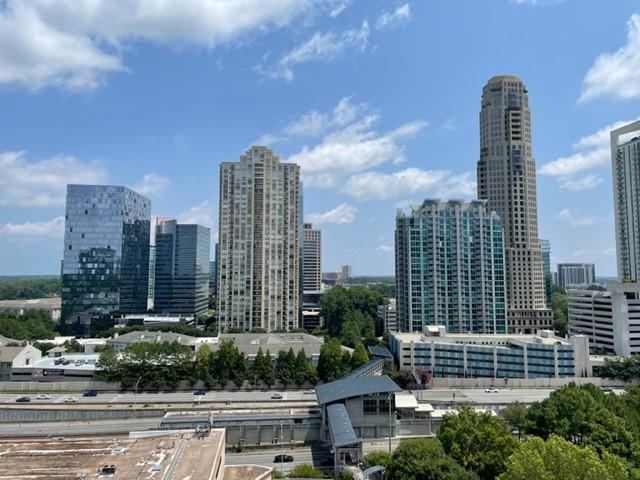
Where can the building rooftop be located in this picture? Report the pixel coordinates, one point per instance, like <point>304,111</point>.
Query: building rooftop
<point>432,335</point>
<point>354,387</point>
<point>177,456</point>
<point>53,303</point>
<point>340,428</point>
<point>153,337</point>
<point>380,352</point>
<point>7,354</point>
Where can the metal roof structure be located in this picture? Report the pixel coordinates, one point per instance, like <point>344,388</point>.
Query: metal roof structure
<point>372,367</point>
<point>380,352</point>
<point>348,387</point>
<point>340,428</point>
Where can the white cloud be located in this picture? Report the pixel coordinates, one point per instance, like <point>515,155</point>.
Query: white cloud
<point>338,6</point>
<point>343,213</point>
<point>152,184</point>
<point>384,248</point>
<point>53,228</point>
<point>315,123</point>
<point>321,47</point>
<point>382,186</point>
<point>202,214</point>
<point>71,44</point>
<point>618,73</point>
<point>393,19</point>
<point>593,151</point>
<point>43,183</point>
<point>576,221</point>
<point>536,3</point>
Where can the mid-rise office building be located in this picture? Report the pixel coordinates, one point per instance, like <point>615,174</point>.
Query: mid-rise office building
<point>311,259</point>
<point>388,316</point>
<point>625,159</point>
<point>152,276</point>
<point>450,268</point>
<point>491,356</point>
<point>576,274</point>
<point>347,273</point>
<point>105,265</point>
<point>331,278</point>
<point>260,231</point>
<point>182,268</point>
<point>506,176</point>
<point>609,318</point>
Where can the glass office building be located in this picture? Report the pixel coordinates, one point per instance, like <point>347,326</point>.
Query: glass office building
<point>105,264</point>
<point>182,268</point>
<point>491,356</point>
<point>450,268</point>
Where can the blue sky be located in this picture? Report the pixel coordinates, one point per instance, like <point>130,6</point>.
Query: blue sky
<point>377,101</point>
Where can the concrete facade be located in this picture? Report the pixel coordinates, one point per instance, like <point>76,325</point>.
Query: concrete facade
<point>388,315</point>
<point>17,357</point>
<point>610,319</point>
<point>260,236</point>
<point>311,259</point>
<point>506,175</point>
<point>576,275</point>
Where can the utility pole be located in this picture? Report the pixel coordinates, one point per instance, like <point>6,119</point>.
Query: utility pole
<point>281,450</point>
<point>135,398</point>
<point>390,425</point>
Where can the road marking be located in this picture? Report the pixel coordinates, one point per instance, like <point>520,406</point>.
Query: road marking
<point>114,399</point>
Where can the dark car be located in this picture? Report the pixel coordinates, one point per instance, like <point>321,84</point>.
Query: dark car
<point>90,393</point>
<point>200,392</point>
<point>23,399</point>
<point>282,458</point>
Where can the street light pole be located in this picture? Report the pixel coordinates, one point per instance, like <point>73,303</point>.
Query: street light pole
<point>281,449</point>
<point>390,428</point>
<point>135,397</point>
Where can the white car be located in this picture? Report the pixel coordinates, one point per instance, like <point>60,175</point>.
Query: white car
<point>277,396</point>
<point>71,400</point>
<point>491,390</point>
<point>43,396</point>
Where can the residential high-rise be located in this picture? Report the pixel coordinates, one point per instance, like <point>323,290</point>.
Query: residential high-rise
<point>182,268</point>
<point>576,274</point>
<point>311,259</point>
<point>506,176</point>
<point>545,251</point>
<point>260,231</point>
<point>625,159</point>
<point>106,251</point>
<point>347,272</point>
<point>152,276</point>
<point>450,268</point>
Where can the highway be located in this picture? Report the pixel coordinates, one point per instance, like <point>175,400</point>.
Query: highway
<point>168,397</point>
<point>28,429</point>
<point>481,397</point>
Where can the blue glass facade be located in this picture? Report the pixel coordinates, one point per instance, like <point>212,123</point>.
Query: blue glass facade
<point>450,268</point>
<point>106,250</point>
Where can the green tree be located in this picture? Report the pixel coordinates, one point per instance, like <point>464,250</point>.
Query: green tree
<point>558,459</point>
<point>285,367</point>
<point>479,442</point>
<point>201,365</point>
<point>334,305</point>
<point>330,362</point>
<point>303,370</point>
<point>378,457</point>
<point>425,459</point>
<point>559,306</point>
<point>305,470</point>
<point>224,363</point>
<point>515,414</point>
<point>360,356</point>
<point>107,366</point>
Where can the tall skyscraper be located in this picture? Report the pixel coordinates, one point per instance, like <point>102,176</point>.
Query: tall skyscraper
<point>182,268</point>
<point>545,252</point>
<point>625,158</point>
<point>576,274</point>
<point>507,180</point>
<point>260,232</point>
<point>450,268</point>
<point>311,259</point>
<point>106,251</point>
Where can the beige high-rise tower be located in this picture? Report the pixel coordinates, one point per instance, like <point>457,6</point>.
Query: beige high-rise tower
<point>507,179</point>
<point>259,243</point>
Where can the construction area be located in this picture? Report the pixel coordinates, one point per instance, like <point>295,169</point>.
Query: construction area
<point>141,455</point>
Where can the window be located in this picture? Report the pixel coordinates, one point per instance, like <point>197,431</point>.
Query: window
<point>370,407</point>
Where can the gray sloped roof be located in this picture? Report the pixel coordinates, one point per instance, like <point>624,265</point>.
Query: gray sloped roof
<point>354,387</point>
<point>340,428</point>
<point>378,351</point>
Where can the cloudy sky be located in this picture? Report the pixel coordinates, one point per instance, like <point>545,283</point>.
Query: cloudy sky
<point>376,100</point>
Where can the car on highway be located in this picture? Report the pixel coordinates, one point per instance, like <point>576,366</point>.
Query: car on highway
<point>282,459</point>
<point>43,396</point>
<point>23,399</point>
<point>277,396</point>
<point>90,393</point>
<point>70,400</point>
<point>200,392</point>
<point>490,390</point>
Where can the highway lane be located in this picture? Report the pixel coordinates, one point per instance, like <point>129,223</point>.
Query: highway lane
<point>169,397</point>
<point>480,396</point>
<point>77,428</point>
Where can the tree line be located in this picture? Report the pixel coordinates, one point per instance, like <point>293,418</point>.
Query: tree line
<point>577,433</point>
<point>159,366</point>
<point>32,325</point>
<point>14,288</point>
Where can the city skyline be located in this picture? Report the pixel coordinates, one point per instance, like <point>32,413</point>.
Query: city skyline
<point>365,148</point>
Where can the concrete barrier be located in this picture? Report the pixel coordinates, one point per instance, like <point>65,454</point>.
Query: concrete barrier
<point>522,382</point>
<point>28,415</point>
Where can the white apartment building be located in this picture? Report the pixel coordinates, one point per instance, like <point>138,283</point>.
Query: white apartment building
<point>311,259</point>
<point>576,274</point>
<point>387,314</point>
<point>259,250</point>
<point>610,319</point>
